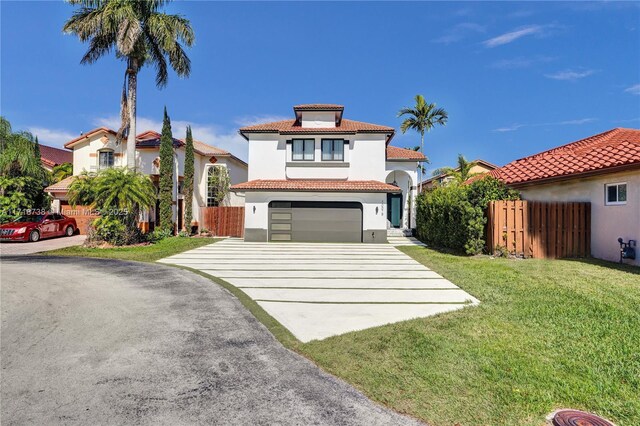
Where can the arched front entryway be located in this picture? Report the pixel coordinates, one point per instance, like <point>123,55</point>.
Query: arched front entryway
<point>399,209</point>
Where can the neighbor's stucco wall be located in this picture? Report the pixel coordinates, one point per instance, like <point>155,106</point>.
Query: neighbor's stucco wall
<point>607,222</point>
<point>371,219</point>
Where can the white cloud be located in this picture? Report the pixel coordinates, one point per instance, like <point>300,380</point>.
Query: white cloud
<point>515,127</point>
<point>459,32</point>
<point>570,75</point>
<point>513,35</point>
<point>210,134</point>
<point>520,62</point>
<point>634,90</point>
<point>54,137</point>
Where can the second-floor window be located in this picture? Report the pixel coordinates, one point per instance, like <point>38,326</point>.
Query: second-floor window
<point>303,149</point>
<point>105,159</point>
<point>332,149</point>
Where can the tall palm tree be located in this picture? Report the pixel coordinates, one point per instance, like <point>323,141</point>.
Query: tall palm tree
<point>422,117</point>
<point>461,173</point>
<point>140,35</point>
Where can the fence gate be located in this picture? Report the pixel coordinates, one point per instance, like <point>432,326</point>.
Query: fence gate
<point>224,221</point>
<point>540,229</point>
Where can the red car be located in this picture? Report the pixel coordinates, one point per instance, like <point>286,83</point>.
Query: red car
<point>38,226</point>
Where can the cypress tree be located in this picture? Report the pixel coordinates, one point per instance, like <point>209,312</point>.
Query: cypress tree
<point>166,175</point>
<point>188,180</point>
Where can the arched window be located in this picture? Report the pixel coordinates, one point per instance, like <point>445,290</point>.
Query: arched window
<point>105,159</point>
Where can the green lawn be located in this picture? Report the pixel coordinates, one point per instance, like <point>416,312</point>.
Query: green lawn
<point>150,253</point>
<point>547,335</point>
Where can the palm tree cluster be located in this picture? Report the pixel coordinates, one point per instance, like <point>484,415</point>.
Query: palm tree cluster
<point>140,34</point>
<point>22,177</point>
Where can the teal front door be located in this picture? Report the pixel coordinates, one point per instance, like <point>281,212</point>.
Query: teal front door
<point>394,214</point>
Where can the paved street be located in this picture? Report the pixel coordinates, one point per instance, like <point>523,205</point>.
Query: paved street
<point>12,248</point>
<point>320,290</point>
<point>92,341</point>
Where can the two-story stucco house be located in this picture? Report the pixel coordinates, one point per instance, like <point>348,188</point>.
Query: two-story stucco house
<point>322,177</point>
<point>97,149</point>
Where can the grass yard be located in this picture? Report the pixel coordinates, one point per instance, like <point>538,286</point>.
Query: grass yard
<point>547,335</point>
<point>149,253</point>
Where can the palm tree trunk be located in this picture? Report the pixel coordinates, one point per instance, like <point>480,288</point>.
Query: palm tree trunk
<point>420,168</point>
<point>132,94</point>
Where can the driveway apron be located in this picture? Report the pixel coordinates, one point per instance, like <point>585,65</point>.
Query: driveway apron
<point>318,290</point>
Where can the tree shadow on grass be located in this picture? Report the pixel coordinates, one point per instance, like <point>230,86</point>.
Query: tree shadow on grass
<point>622,267</point>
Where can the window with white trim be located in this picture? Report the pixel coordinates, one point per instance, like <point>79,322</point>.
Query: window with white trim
<point>105,159</point>
<point>212,191</point>
<point>332,149</point>
<point>303,149</point>
<point>615,194</point>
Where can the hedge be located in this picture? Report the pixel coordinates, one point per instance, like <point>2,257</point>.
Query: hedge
<point>453,216</point>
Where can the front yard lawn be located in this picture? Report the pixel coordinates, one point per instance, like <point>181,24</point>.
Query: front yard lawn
<point>548,334</point>
<point>148,253</point>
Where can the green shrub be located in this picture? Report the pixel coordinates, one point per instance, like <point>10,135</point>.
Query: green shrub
<point>110,229</point>
<point>159,234</point>
<point>453,216</point>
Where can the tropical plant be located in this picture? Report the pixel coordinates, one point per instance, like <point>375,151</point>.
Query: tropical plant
<point>421,168</point>
<point>453,216</point>
<point>22,177</point>
<point>188,180</point>
<point>218,180</point>
<point>140,35</point>
<point>61,171</point>
<point>422,117</point>
<point>461,173</point>
<point>82,190</point>
<point>166,175</point>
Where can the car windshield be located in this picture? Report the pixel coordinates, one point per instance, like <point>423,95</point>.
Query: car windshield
<point>31,218</point>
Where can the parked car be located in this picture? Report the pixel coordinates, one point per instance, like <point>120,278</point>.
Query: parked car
<point>38,226</point>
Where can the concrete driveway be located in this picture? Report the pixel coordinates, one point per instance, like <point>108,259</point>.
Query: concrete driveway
<point>92,341</point>
<point>10,248</point>
<point>320,290</point>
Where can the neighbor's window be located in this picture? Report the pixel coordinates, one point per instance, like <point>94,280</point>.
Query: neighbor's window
<point>332,149</point>
<point>616,194</point>
<point>105,159</point>
<point>303,149</point>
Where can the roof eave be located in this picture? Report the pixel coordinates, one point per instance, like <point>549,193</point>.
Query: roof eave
<point>553,179</point>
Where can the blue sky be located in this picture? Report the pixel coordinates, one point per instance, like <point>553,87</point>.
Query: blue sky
<point>516,78</point>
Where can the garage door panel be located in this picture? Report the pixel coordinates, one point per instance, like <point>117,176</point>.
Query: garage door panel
<point>318,221</point>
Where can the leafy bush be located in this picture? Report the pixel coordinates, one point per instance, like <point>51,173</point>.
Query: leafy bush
<point>110,229</point>
<point>453,216</point>
<point>159,234</point>
<point>184,234</point>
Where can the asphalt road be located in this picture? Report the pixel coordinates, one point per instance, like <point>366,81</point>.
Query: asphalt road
<point>91,341</point>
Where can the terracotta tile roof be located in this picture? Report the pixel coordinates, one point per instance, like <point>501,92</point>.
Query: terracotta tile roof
<point>612,149</point>
<point>51,156</point>
<point>63,185</point>
<point>204,149</point>
<point>318,107</point>
<point>324,185</point>
<point>292,127</point>
<point>88,135</point>
<point>403,154</point>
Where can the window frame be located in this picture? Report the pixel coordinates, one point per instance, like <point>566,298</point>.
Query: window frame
<point>111,156</point>
<point>304,141</point>
<point>210,170</point>
<point>341,142</point>
<point>617,186</point>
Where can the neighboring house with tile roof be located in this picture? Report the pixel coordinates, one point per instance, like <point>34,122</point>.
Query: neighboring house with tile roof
<point>603,169</point>
<point>322,177</point>
<point>478,167</point>
<point>97,149</point>
<point>51,157</point>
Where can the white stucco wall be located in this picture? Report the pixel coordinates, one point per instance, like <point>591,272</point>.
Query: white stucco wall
<point>608,222</point>
<point>405,174</point>
<point>85,157</point>
<point>318,119</point>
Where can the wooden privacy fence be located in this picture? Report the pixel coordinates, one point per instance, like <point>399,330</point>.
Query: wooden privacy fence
<point>224,221</point>
<point>83,215</point>
<point>540,229</point>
